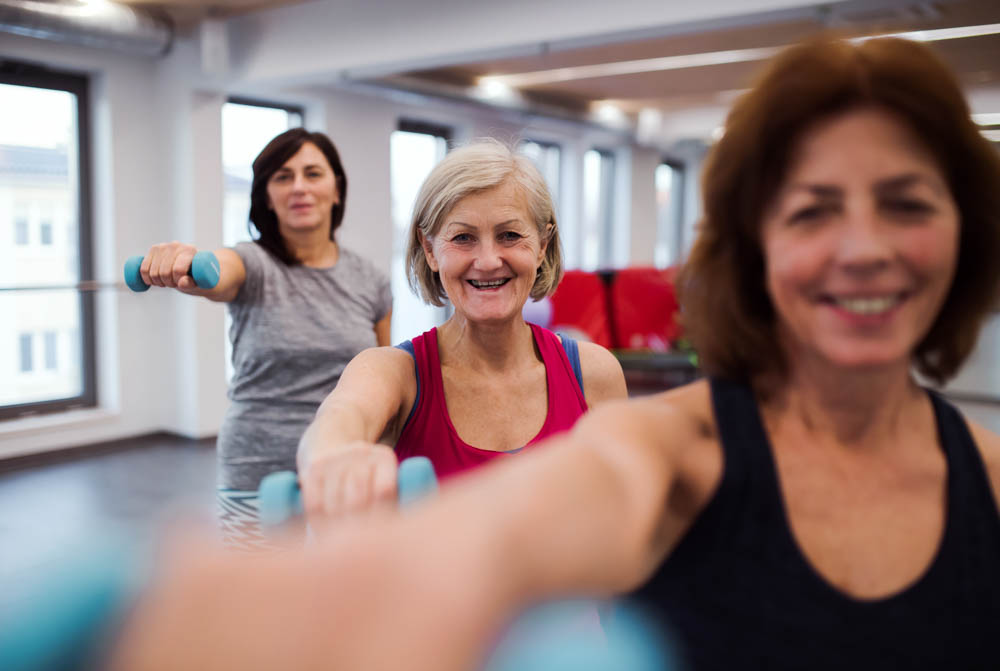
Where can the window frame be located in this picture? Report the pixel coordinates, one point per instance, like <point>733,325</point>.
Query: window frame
<point>256,102</point>
<point>17,73</point>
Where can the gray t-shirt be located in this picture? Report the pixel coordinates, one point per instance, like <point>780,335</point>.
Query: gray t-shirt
<point>294,329</point>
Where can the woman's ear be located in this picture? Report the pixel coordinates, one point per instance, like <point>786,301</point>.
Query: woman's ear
<point>428,251</point>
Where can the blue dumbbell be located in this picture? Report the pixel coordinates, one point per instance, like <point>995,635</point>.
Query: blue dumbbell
<point>280,500</point>
<point>204,270</point>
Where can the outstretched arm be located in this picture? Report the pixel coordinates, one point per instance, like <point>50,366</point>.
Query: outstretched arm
<point>341,467</point>
<point>429,588</point>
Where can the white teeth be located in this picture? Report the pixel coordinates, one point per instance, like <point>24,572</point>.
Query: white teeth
<point>487,285</point>
<point>867,306</point>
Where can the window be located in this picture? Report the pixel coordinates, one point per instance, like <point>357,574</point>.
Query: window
<point>21,231</point>
<point>598,209</point>
<point>414,149</point>
<point>26,353</point>
<point>44,171</point>
<point>547,157</point>
<point>51,342</point>
<point>247,127</point>
<point>45,233</point>
<point>669,190</point>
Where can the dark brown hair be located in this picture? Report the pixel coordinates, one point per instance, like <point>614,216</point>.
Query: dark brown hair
<point>726,309</point>
<point>268,162</point>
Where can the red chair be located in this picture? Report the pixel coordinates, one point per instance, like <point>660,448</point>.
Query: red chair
<point>644,309</point>
<point>580,307</point>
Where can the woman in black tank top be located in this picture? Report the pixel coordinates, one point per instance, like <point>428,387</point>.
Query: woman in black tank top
<point>809,505</point>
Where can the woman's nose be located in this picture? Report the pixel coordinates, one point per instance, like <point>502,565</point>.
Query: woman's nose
<point>863,244</point>
<point>488,256</point>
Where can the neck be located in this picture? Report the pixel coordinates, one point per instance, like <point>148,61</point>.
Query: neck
<point>500,346</point>
<point>852,408</point>
<point>312,248</point>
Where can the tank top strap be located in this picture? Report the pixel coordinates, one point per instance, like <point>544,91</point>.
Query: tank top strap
<point>563,387</point>
<point>970,494</point>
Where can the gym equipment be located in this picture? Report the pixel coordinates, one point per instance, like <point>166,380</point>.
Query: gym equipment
<point>204,270</point>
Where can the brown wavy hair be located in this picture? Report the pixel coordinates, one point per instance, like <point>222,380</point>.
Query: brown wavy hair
<point>281,148</point>
<point>726,310</point>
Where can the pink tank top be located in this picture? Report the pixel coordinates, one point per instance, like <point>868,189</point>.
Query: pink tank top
<point>430,433</point>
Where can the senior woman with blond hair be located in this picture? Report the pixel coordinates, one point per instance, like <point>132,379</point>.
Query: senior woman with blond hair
<point>485,383</point>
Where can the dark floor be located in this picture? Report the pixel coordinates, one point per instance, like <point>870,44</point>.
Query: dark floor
<point>50,510</point>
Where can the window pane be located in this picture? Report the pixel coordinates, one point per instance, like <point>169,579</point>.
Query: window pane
<point>39,187</point>
<point>668,215</point>
<point>21,231</point>
<point>26,354</point>
<point>51,359</point>
<point>411,158</point>
<point>246,129</point>
<point>547,157</point>
<point>598,187</point>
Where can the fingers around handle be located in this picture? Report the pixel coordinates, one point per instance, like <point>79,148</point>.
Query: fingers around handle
<point>205,270</point>
<point>279,498</point>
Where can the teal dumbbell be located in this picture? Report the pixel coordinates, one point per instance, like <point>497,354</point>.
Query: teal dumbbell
<point>280,500</point>
<point>204,270</point>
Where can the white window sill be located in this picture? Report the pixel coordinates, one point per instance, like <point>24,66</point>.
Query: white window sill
<point>69,419</point>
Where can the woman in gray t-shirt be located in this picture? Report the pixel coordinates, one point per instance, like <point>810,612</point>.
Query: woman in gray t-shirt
<point>301,308</point>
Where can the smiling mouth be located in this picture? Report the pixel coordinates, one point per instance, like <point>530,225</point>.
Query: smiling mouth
<point>868,305</point>
<point>488,284</point>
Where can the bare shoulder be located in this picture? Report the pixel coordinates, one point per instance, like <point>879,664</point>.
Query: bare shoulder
<point>680,419</point>
<point>603,378</point>
<point>382,363</point>
<point>988,443</point>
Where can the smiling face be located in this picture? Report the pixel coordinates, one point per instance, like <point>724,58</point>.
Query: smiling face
<point>303,191</point>
<point>860,243</point>
<point>487,252</point>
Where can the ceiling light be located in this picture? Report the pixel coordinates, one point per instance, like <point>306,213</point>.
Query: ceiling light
<point>540,77</point>
<point>987,119</point>
<point>608,113</point>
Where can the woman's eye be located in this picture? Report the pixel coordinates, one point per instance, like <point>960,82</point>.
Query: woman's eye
<point>462,237</point>
<point>280,178</point>
<point>908,206</point>
<point>510,236</point>
<point>314,174</point>
<point>811,213</point>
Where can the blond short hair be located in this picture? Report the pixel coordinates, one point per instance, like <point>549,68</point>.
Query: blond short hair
<point>476,167</point>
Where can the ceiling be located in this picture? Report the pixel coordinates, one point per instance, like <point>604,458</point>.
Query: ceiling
<point>664,85</point>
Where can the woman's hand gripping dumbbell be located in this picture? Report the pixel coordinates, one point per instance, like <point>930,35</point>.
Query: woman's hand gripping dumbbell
<point>280,498</point>
<point>173,265</point>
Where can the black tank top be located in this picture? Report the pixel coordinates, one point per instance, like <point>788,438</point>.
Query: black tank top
<point>738,594</point>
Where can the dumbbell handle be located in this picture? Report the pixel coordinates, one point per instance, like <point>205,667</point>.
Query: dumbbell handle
<point>279,498</point>
<point>204,270</point>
